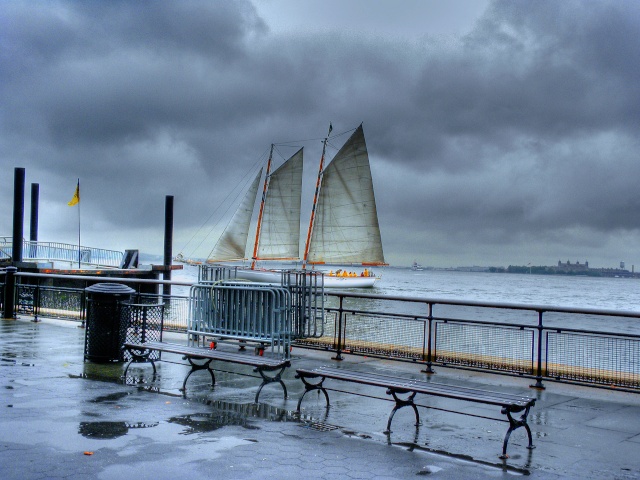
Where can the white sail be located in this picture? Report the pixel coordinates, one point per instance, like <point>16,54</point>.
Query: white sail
<point>233,241</point>
<point>280,229</point>
<point>345,229</point>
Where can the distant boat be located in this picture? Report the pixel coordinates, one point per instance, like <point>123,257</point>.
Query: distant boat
<point>180,258</point>
<point>416,267</point>
<point>343,226</point>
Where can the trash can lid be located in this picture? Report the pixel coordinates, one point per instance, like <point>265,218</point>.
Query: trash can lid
<point>114,288</point>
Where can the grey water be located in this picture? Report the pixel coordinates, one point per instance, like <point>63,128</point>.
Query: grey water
<point>581,292</point>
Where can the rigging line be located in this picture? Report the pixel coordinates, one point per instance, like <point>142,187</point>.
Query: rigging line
<point>308,140</point>
<point>293,143</point>
<point>284,157</point>
<point>247,181</point>
<point>333,137</point>
<point>245,175</point>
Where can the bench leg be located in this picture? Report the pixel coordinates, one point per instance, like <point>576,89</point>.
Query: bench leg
<point>266,379</point>
<point>194,367</point>
<point>139,356</point>
<point>400,402</point>
<point>513,425</point>
<point>312,386</point>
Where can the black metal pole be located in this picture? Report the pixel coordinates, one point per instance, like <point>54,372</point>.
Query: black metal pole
<point>9,293</point>
<point>339,345</point>
<point>168,242</point>
<point>35,199</point>
<point>538,383</point>
<point>33,225</point>
<point>18,214</point>
<point>429,336</point>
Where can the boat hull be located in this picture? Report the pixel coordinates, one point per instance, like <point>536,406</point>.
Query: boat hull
<point>274,276</point>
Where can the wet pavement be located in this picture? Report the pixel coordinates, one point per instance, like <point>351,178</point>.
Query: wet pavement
<point>66,418</point>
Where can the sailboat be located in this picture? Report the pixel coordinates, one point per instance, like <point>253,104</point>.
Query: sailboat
<point>343,225</point>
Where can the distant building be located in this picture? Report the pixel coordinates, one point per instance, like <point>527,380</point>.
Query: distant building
<point>572,267</point>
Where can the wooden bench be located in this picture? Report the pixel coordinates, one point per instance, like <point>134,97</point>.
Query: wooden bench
<point>201,359</point>
<point>395,386</point>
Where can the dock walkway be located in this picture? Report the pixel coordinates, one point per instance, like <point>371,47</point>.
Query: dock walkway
<point>66,418</point>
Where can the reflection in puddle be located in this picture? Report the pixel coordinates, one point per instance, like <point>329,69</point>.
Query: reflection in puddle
<point>111,398</point>
<point>109,430</point>
<point>235,414</point>
<point>9,360</point>
<point>138,380</point>
<point>251,410</point>
<point>208,422</point>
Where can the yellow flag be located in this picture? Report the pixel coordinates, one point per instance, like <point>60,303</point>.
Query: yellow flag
<point>76,196</point>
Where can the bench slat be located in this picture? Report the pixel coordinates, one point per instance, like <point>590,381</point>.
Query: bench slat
<point>198,352</point>
<point>419,386</point>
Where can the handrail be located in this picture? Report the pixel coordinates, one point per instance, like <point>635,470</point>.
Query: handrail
<point>540,342</point>
<point>56,251</point>
<point>500,346</point>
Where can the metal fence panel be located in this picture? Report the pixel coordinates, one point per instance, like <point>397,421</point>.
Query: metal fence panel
<point>241,312</point>
<point>600,359</point>
<point>485,346</point>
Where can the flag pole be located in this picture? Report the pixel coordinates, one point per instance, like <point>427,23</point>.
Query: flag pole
<point>79,243</point>
<point>75,200</point>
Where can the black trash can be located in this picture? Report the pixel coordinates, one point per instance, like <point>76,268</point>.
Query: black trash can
<point>104,330</point>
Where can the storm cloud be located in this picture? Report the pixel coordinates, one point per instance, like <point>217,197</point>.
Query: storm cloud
<point>514,141</point>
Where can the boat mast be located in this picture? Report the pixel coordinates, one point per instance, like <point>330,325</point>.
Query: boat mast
<point>259,222</point>
<point>315,199</point>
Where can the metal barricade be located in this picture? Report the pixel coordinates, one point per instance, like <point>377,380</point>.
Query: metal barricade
<point>305,286</point>
<point>242,312</point>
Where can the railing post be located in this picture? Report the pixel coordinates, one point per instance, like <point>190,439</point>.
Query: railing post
<point>36,301</point>
<point>538,383</point>
<point>429,370</point>
<point>339,345</point>
<point>83,305</point>
<point>10,293</point>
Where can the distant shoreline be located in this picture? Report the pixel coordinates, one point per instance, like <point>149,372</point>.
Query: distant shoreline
<point>577,271</point>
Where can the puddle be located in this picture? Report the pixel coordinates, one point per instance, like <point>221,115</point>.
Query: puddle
<point>109,430</point>
<point>209,422</point>
<point>252,410</point>
<point>111,398</point>
<point>428,470</point>
<point>12,362</point>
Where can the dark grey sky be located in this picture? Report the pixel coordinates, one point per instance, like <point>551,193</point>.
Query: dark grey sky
<point>499,133</point>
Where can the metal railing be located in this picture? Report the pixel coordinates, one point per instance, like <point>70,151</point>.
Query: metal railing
<point>41,300</point>
<point>539,342</point>
<point>63,252</point>
<point>545,343</point>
